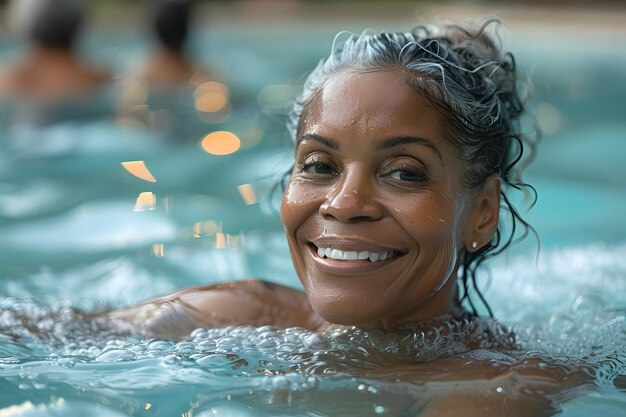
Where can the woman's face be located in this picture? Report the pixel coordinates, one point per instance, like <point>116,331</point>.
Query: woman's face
<point>375,210</point>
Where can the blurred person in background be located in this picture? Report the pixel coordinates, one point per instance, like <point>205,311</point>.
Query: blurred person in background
<point>160,90</point>
<point>168,65</point>
<point>50,69</point>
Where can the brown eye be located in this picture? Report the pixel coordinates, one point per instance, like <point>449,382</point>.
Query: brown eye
<point>406,174</point>
<point>318,168</point>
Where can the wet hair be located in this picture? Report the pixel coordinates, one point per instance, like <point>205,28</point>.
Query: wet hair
<point>56,23</point>
<point>473,85</point>
<point>171,22</point>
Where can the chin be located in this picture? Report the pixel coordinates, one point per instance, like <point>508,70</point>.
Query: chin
<point>345,310</point>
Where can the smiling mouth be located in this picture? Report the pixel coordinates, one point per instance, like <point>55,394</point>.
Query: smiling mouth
<point>346,255</point>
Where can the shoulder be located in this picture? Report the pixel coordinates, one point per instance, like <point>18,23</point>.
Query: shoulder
<point>251,302</point>
<point>237,303</point>
<point>526,387</point>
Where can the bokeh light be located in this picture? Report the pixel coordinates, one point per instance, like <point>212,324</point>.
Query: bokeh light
<point>247,193</point>
<point>146,201</point>
<point>158,250</point>
<point>220,240</point>
<point>205,228</point>
<point>211,87</point>
<point>220,143</point>
<point>139,170</point>
<point>212,101</point>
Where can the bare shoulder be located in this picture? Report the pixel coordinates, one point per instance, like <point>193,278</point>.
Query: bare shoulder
<point>469,387</point>
<point>248,302</point>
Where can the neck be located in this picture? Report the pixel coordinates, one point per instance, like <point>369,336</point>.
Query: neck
<point>443,302</point>
<point>40,53</point>
<point>170,55</point>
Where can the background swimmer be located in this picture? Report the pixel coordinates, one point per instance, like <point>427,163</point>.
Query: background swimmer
<point>50,69</point>
<point>168,64</point>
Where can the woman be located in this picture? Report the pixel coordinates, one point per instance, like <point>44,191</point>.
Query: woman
<point>403,143</point>
<point>405,146</point>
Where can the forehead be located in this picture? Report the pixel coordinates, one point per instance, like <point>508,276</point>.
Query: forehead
<point>360,103</point>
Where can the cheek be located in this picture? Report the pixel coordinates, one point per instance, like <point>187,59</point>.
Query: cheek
<point>430,222</point>
<point>434,228</point>
<point>422,213</point>
<point>300,200</point>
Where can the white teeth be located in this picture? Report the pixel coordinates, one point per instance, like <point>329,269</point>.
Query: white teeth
<point>350,256</point>
<point>354,255</point>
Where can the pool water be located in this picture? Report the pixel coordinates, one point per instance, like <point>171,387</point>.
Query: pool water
<point>68,369</point>
<point>75,236</point>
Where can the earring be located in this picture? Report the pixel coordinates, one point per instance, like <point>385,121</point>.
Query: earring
<point>474,245</point>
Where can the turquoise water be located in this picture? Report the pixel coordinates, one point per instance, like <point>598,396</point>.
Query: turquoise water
<point>71,240</point>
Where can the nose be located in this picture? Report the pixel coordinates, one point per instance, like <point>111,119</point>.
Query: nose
<point>352,199</point>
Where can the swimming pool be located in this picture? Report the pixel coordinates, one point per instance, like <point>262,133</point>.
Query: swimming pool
<point>73,234</point>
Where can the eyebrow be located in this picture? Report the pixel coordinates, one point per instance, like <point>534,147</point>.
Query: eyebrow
<point>321,139</point>
<point>381,145</point>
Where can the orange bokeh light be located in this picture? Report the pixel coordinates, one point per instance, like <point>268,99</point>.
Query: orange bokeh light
<point>220,143</point>
<point>146,201</point>
<point>139,170</point>
<point>211,102</point>
<point>220,240</point>
<point>211,87</point>
<point>211,97</point>
<point>247,193</point>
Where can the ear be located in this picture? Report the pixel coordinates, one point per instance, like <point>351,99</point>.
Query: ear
<point>484,214</point>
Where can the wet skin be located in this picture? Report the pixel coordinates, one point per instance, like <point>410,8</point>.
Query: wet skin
<point>374,173</point>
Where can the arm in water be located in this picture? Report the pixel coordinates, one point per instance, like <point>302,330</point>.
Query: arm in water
<point>249,302</point>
